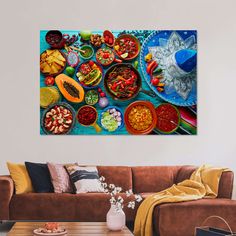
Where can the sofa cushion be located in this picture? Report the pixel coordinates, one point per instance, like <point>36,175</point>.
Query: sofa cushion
<point>43,206</point>
<point>20,177</point>
<point>84,178</point>
<point>193,213</point>
<point>121,176</point>
<point>153,178</point>
<point>40,177</point>
<point>60,178</point>
<point>64,207</point>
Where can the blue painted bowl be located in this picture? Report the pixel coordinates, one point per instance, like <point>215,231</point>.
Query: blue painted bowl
<point>122,118</point>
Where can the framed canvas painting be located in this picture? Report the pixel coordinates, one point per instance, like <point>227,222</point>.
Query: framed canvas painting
<point>122,82</point>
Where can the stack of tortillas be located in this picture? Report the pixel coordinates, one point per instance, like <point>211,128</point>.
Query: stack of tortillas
<point>48,96</point>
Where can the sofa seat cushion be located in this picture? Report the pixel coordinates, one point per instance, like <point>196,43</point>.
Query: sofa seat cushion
<point>184,217</point>
<point>145,195</point>
<point>64,207</point>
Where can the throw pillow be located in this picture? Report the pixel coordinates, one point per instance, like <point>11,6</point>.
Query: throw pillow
<point>60,178</point>
<point>40,177</point>
<point>84,178</point>
<point>20,178</point>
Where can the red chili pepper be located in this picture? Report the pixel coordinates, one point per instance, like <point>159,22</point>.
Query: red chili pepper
<point>153,68</point>
<point>151,65</point>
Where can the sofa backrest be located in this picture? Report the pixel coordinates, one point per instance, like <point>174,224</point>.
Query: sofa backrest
<point>153,178</point>
<point>120,176</point>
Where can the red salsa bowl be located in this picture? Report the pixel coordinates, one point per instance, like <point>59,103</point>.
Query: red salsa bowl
<point>127,47</point>
<point>168,118</point>
<point>87,115</point>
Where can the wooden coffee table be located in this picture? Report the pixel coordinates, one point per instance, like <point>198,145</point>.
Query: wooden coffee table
<point>73,228</point>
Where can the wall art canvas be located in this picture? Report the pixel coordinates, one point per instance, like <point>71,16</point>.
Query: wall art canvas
<point>118,82</point>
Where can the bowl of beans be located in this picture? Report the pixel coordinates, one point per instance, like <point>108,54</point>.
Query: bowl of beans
<point>140,117</point>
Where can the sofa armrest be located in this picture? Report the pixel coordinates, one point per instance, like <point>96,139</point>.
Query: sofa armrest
<point>6,193</point>
<point>226,185</point>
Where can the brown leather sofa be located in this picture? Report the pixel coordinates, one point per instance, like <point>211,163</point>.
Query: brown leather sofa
<point>177,219</point>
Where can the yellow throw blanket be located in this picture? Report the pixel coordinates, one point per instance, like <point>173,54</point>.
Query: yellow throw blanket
<point>203,183</point>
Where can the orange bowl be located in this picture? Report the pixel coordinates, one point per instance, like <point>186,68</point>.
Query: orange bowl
<point>151,107</point>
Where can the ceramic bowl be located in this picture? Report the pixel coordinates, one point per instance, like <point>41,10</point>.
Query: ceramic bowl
<point>122,118</point>
<point>132,37</point>
<point>59,104</point>
<point>84,47</point>
<point>151,107</point>
<point>178,123</point>
<point>60,71</point>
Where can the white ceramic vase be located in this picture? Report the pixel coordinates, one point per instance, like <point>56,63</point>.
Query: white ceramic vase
<point>115,219</point>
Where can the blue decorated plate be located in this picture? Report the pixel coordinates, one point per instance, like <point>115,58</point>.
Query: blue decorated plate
<point>180,89</point>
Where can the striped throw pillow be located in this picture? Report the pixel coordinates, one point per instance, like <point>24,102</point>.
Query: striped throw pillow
<point>84,178</point>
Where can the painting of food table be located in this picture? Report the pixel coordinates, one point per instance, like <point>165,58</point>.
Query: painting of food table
<point>127,82</point>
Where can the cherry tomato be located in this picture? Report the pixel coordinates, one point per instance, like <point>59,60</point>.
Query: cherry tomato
<point>102,94</point>
<point>49,81</point>
<point>91,63</point>
<point>155,81</point>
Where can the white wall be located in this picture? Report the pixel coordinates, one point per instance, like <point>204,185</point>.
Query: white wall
<point>20,22</point>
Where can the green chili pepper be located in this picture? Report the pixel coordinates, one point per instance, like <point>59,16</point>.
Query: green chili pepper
<point>157,71</point>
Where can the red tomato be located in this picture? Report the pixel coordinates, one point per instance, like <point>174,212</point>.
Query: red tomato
<point>91,63</point>
<point>155,81</point>
<point>49,81</point>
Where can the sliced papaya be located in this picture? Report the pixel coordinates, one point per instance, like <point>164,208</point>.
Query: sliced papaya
<point>70,89</point>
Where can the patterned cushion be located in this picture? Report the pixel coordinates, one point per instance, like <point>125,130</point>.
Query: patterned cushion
<point>60,178</point>
<point>84,178</point>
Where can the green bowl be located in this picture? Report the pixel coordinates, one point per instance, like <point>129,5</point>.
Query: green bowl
<point>86,47</point>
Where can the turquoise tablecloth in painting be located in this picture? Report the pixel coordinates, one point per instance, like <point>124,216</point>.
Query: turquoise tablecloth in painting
<point>142,36</point>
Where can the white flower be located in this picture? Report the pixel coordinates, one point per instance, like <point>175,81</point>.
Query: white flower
<point>120,199</point>
<point>129,193</point>
<point>102,178</point>
<point>112,200</point>
<point>119,206</point>
<point>138,198</point>
<point>112,186</point>
<point>131,204</point>
<point>118,189</point>
<point>114,192</point>
<point>106,190</point>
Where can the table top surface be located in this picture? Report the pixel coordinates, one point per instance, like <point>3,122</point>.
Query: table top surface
<point>73,228</point>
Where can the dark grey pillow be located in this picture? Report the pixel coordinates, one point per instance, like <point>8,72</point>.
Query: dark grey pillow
<point>40,177</point>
